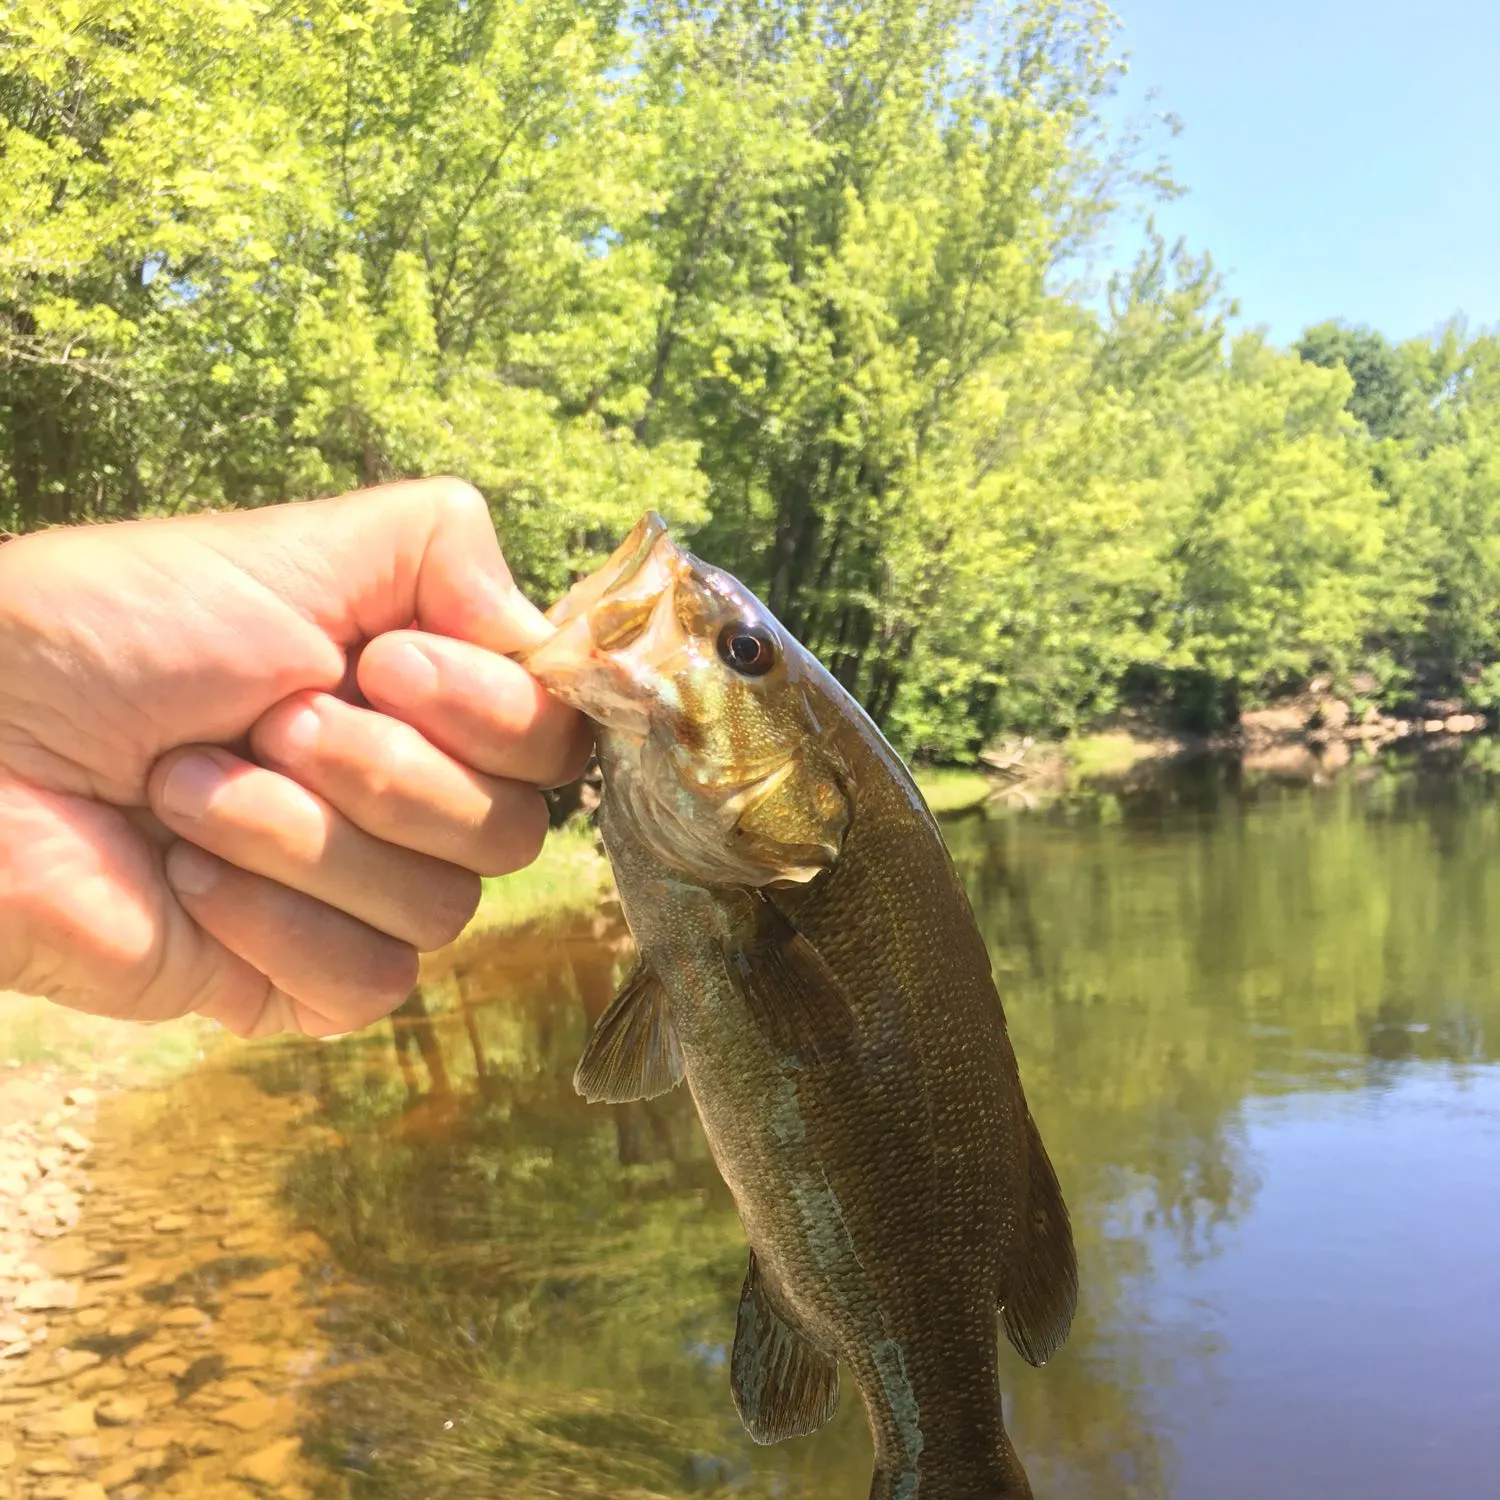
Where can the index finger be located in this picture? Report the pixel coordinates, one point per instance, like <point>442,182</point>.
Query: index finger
<point>484,710</point>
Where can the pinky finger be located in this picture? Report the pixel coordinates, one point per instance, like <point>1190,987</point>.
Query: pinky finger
<point>327,972</point>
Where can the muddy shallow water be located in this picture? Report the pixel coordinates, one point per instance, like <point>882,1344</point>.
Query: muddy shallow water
<point>1260,1030</point>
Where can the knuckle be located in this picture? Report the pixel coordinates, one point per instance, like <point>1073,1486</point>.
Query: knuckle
<point>458,499</point>
<point>390,976</point>
<point>451,902</point>
<point>382,772</point>
<point>517,831</point>
<point>574,757</point>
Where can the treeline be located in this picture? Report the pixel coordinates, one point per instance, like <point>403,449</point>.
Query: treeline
<point>795,272</point>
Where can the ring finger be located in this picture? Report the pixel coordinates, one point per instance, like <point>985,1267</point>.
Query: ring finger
<point>271,826</point>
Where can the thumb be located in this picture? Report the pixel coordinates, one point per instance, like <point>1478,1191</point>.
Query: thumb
<point>420,552</point>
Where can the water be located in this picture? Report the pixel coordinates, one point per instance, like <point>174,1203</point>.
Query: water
<point>1259,1027</point>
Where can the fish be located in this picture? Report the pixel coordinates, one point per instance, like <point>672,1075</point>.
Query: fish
<point>808,961</point>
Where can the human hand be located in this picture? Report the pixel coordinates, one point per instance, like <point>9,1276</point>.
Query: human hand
<point>252,763</point>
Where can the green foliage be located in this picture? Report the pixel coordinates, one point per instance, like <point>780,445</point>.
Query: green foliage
<point>792,271</point>
<point>1384,398</point>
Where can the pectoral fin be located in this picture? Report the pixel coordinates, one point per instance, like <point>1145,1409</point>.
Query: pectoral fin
<point>1042,1286</point>
<point>632,1052</point>
<point>783,1385</point>
<point>789,988</point>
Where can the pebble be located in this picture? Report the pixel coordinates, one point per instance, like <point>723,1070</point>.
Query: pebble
<point>269,1466</point>
<point>120,1411</point>
<point>67,1260</point>
<point>248,1415</point>
<point>50,1464</point>
<point>234,1390</point>
<point>171,1223</point>
<point>74,1140</point>
<point>89,1490</point>
<point>7,1453</point>
<point>75,1420</point>
<point>101,1378</point>
<point>271,1284</point>
<point>169,1367</point>
<point>135,1358</point>
<point>185,1317</point>
<point>246,1357</point>
<point>44,1296</point>
<point>41,1374</point>
<point>124,1469</point>
<point>81,1097</point>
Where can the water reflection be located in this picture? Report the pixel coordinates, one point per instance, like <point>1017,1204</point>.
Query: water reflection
<point>1258,1027</point>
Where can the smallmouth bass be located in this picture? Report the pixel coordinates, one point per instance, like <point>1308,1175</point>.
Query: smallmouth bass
<point>809,962</point>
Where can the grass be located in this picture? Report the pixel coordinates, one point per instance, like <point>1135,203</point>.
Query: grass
<point>570,876</point>
<point>1109,754</point>
<point>953,789</point>
<point>34,1031</point>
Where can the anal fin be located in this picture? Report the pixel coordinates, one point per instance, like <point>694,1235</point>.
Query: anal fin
<point>783,1385</point>
<point>1042,1285</point>
<point>790,990</point>
<point>632,1052</point>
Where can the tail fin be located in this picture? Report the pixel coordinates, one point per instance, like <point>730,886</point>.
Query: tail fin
<point>1041,1288</point>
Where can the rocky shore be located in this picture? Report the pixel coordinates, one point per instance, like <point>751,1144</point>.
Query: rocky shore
<point>1308,737</point>
<point>1330,728</point>
<point>158,1316</point>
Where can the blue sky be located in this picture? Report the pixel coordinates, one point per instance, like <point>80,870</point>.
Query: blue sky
<point>1342,158</point>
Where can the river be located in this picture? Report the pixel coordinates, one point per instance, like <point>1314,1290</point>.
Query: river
<point>1259,1026</point>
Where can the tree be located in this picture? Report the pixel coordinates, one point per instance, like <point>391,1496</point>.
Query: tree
<point>1385,396</point>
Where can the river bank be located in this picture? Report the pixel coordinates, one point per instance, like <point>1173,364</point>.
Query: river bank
<point>158,1309</point>
<point>1307,737</point>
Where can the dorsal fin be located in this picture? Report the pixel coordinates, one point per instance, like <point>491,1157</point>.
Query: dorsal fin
<point>632,1052</point>
<point>783,1385</point>
<point>1042,1284</point>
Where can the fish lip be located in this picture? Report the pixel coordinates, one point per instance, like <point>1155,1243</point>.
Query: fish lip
<point>622,565</point>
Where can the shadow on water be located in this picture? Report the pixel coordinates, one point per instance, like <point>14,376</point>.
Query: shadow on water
<point>1202,976</point>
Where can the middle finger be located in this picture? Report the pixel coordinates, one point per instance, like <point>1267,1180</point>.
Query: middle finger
<point>392,782</point>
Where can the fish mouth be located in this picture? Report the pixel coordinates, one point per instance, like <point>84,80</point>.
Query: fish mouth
<point>572,663</point>
<point>623,564</point>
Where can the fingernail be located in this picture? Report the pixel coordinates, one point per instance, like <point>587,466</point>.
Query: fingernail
<point>190,786</point>
<point>411,670</point>
<point>190,870</point>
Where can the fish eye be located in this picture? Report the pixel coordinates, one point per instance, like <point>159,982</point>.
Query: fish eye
<point>749,649</point>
